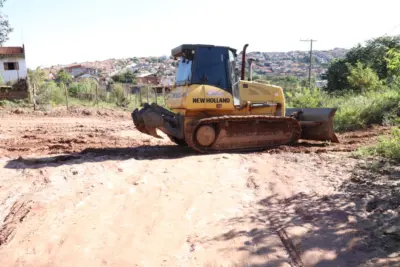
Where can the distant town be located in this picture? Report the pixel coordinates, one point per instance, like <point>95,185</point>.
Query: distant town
<point>162,69</point>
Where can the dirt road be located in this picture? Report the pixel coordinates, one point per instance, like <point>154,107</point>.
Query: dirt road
<point>116,197</point>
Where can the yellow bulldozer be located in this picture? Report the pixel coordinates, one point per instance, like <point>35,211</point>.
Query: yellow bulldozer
<point>213,108</point>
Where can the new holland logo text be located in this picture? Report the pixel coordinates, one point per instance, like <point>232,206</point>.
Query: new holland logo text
<point>211,100</point>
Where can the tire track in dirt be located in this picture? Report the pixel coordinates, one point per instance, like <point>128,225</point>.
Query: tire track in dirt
<point>292,251</point>
<point>294,255</point>
<point>16,216</point>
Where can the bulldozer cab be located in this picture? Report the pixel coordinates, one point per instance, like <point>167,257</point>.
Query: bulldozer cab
<point>208,65</point>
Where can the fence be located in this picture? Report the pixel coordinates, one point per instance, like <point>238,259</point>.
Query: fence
<point>127,96</point>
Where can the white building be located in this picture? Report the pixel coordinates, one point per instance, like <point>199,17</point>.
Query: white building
<point>12,63</point>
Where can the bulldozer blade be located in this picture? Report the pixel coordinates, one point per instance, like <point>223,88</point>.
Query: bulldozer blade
<point>138,120</point>
<point>147,120</point>
<point>316,123</point>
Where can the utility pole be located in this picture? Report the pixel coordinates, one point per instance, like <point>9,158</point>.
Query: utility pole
<point>309,71</point>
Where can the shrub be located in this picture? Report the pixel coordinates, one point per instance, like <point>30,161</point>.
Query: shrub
<point>306,98</point>
<point>75,88</point>
<point>118,94</point>
<point>359,111</point>
<point>354,111</point>
<point>363,78</point>
<point>57,94</point>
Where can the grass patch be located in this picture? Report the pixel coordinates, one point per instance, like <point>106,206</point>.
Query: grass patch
<point>14,103</point>
<point>388,147</point>
<point>360,111</point>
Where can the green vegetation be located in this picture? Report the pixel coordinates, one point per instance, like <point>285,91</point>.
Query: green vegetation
<point>379,54</point>
<point>364,86</point>
<point>354,111</point>
<point>5,28</point>
<point>85,92</point>
<point>44,92</point>
<point>63,77</point>
<point>370,102</point>
<point>125,77</point>
<point>387,147</point>
<point>363,78</point>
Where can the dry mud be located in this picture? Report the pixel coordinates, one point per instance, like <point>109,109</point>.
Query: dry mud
<point>85,188</point>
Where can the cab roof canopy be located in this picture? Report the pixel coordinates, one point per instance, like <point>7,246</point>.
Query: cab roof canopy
<point>187,48</point>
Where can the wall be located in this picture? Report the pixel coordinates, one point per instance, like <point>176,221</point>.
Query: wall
<point>151,79</point>
<point>13,75</point>
<point>76,71</point>
<point>13,95</point>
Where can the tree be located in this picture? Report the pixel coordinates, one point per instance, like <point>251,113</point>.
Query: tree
<point>36,77</point>
<point>118,93</point>
<point>337,75</point>
<point>125,77</point>
<point>5,28</point>
<point>362,78</point>
<point>153,60</point>
<point>129,77</point>
<point>372,54</point>
<point>63,77</point>
<point>393,61</point>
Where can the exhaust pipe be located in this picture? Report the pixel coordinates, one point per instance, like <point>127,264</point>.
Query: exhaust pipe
<point>243,60</point>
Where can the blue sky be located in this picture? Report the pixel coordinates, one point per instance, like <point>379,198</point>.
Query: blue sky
<point>67,31</point>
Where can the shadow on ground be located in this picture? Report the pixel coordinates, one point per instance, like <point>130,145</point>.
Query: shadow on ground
<point>139,153</point>
<point>103,154</point>
<point>354,227</point>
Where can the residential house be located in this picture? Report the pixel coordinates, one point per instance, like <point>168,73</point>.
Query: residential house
<point>158,83</point>
<point>13,65</point>
<point>148,79</point>
<point>79,69</point>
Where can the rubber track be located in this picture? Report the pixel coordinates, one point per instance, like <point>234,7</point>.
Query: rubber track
<point>190,131</point>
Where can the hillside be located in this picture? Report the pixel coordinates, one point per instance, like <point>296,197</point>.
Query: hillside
<point>292,63</point>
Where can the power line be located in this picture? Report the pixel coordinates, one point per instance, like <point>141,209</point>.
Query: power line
<point>309,71</point>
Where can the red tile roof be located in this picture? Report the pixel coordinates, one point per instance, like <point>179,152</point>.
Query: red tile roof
<point>11,50</point>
